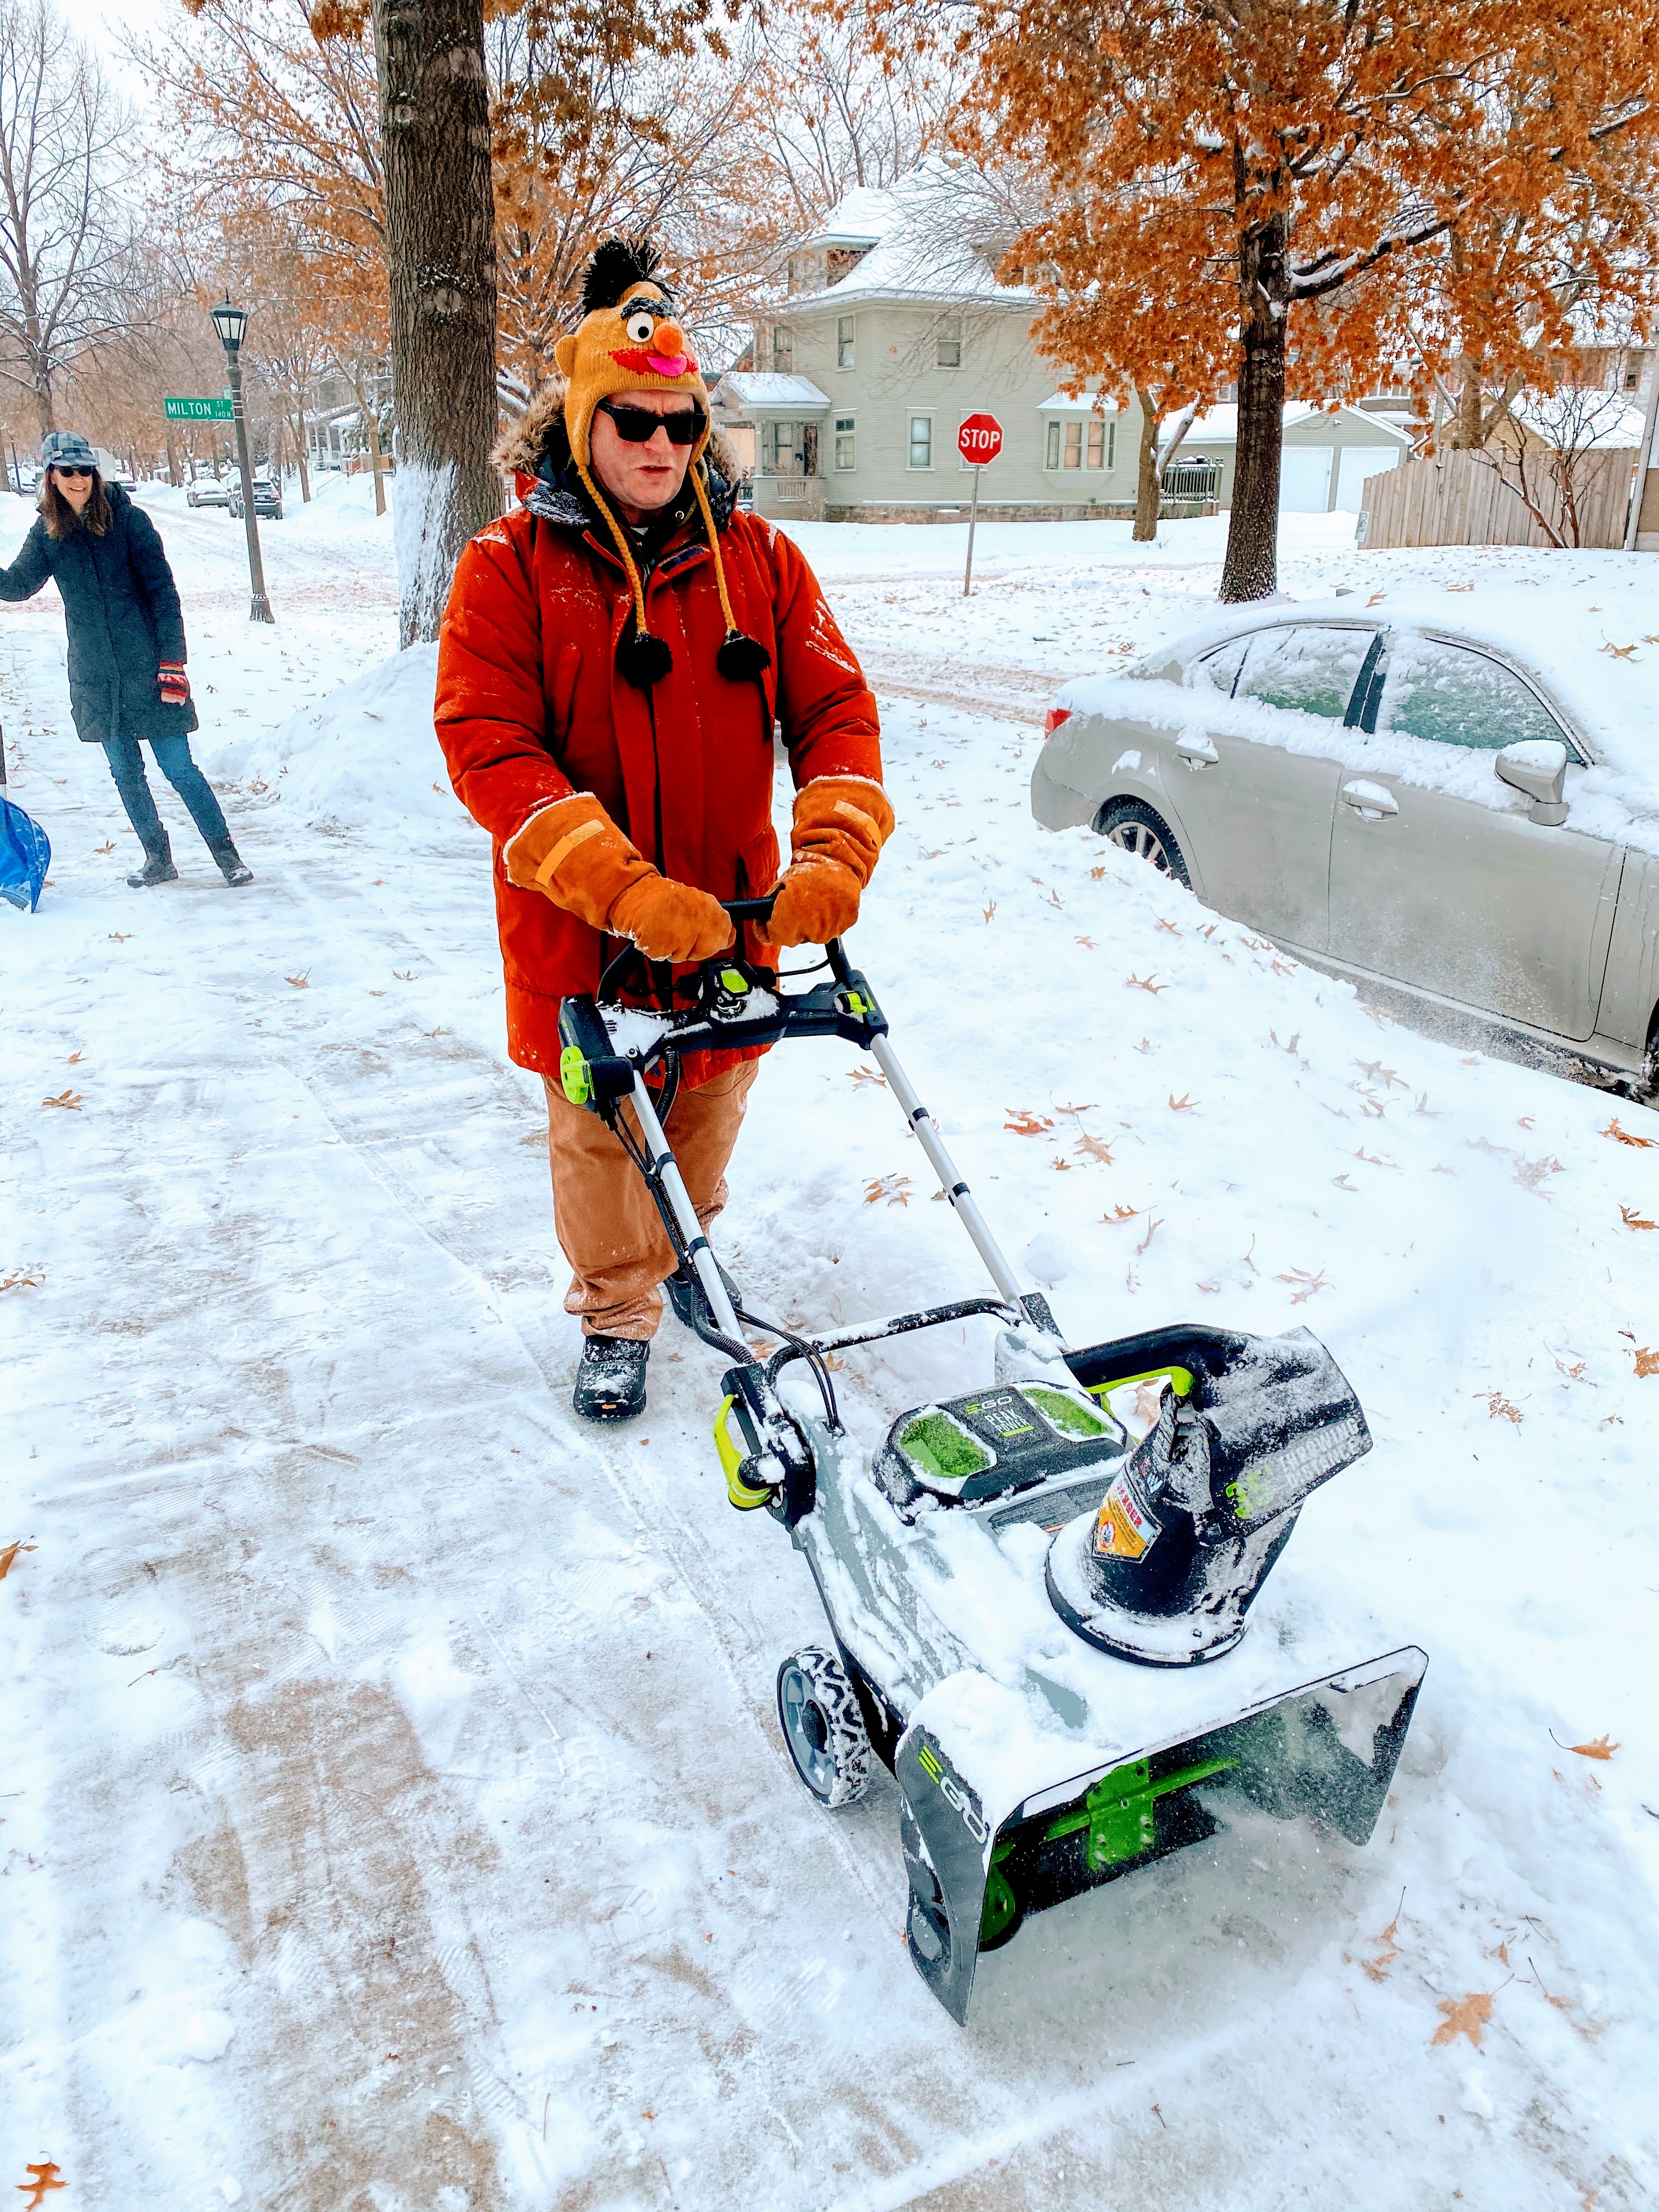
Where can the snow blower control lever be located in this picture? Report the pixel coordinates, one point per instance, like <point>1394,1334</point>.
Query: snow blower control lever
<point>609,1052</point>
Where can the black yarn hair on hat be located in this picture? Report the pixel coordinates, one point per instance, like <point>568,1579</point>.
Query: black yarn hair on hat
<point>617,265</point>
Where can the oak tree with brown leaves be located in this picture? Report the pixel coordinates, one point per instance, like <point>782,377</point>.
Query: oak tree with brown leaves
<point>1321,187</point>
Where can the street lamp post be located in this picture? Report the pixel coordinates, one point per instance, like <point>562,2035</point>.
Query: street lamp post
<point>231,323</point>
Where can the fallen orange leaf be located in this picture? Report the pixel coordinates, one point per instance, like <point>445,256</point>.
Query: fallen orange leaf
<point>1026,1125</point>
<point>1624,1137</point>
<point>300,982</point>
<point>7,1557</point>
<point>1144,983</point>
<point>1468,2016</point>
<point>1184,1104</point>
<point>1632,1219</point>
<point>1647,1362</point>
<point>1601,1748</point>
<point>45,2178</point>
<point>69,1100</point>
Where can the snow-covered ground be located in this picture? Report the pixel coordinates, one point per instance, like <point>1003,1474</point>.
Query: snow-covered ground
<point>387,1825</point>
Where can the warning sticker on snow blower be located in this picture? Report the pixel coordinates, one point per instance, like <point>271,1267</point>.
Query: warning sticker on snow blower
<point>1124,1526</point>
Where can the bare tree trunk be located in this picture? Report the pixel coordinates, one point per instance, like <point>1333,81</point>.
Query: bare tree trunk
<point>1250,570</point>
<point>1148,485</point>
<point>174,475</point>
<point>374,459</point>
<point>1466,431</point>
<point>441,252</point>
<point>304,458</point>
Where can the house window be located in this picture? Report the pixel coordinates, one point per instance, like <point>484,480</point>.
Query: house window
<point>949,343</point>
<point>1085,442</point>
<point>922,441</point>
<point>844,435</point>
<point>780,449</point>
<point>783,350</point>
<point>844,334</point>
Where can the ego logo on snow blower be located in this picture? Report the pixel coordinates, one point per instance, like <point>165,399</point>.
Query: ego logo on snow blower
<point>935,1771</point>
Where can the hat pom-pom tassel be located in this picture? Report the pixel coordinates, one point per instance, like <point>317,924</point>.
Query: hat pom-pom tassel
<point>644,658</point>
<point>740,657</point>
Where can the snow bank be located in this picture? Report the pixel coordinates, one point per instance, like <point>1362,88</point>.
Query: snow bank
<point>363,757</point>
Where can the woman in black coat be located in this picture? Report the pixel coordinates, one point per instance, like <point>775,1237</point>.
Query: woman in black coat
<point>126,645</point>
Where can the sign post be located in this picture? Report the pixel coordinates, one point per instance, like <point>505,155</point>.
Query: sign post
<point>979,440</point>
<point>199,410</point>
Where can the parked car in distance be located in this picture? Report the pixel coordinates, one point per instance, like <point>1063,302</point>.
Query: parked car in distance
<point>1404,801</point>
<point>209,491</point>
<point>267,498</point>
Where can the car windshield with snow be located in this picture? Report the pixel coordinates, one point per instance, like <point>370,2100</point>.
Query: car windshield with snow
<point>1404,801</point>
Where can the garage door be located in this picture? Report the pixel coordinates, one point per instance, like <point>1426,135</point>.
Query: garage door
<point>1304,479</point>
<point>1354,465</point>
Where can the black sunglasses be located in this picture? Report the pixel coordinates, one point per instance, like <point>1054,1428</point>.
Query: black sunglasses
<point>74,473</point>
<point>637,425</point>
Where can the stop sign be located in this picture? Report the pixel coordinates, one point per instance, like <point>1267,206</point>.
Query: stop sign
<point>980,439</point>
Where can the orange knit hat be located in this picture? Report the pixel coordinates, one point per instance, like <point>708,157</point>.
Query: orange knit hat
<point>629,340</point>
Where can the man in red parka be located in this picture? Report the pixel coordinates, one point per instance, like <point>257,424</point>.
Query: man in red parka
<point>613,660</point>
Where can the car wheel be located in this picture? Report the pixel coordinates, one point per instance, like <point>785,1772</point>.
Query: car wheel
<point>1134,828</point>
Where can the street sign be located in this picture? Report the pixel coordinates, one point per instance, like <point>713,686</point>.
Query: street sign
<point>980,439</point>
<point>198,410</point>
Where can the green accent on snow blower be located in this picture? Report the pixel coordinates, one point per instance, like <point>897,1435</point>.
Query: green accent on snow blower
<point>1065,1413</point>
<point>1179,1378</point>
<point>1118,1811</point>
<point>943,1448</point>
<point>739,1491</point>
<point>734,981</point>
<point>1001,1906</point>
<point>574,1078</point>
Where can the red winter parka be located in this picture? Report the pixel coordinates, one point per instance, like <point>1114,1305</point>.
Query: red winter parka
<point>531,705</point>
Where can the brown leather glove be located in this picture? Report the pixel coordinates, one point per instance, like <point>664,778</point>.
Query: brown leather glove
<point>574,854</point>
<point>842,822</point>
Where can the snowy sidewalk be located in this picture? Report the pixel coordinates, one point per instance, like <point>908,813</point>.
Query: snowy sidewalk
<point>395,1813</point>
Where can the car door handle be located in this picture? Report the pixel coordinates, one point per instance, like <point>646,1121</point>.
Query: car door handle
<point>1370,799</point>
<point>1197,752</point>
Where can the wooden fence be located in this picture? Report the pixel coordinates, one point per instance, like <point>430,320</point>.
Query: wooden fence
<point>1461,498</point>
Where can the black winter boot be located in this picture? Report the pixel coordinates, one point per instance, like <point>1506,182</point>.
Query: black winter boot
<point>158,866</point>
<point>611,1380</point>
<point>690,1301</point>
<point>233,867</point>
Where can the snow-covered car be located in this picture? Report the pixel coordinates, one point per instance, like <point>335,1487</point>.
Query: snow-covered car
<point>209,491</point>
<point>1400,800</point>
<point>267,499</point>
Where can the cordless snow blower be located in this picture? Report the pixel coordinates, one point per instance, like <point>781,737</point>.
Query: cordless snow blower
<point>1055,1636</point>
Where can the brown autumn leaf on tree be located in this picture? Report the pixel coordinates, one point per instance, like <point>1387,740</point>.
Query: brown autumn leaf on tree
<point>1465,2015</point>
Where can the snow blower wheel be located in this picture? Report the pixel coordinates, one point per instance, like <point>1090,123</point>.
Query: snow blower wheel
<point>823,1727</point>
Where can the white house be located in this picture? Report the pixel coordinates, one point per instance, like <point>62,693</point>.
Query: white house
<point>897,327</point>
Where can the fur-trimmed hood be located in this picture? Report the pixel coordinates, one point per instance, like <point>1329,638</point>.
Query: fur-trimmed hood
<point>537,445</point>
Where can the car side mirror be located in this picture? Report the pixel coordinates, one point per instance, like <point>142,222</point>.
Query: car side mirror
<point>1538,767</point>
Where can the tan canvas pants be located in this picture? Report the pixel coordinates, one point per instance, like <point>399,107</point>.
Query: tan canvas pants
<point>604,1216</point>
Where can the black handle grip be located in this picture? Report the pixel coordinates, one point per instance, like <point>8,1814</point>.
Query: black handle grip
<point>756,910</point>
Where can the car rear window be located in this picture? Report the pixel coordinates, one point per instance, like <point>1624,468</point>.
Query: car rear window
<point>1455,696</point>
<point>1311,670</point>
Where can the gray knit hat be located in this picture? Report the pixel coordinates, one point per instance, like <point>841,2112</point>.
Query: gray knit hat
<point>66,449</point>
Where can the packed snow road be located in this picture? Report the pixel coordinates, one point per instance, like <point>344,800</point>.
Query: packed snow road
<point>394,1811</point>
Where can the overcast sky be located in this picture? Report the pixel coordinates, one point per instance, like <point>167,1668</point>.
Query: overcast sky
<point>101,24</point>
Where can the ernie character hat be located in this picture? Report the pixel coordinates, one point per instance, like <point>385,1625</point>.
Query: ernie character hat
<point>629,340</point>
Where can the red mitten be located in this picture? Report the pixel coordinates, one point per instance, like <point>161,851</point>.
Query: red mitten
<point>175,683</point>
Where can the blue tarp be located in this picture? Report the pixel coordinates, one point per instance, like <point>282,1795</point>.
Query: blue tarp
<point>25,856</point>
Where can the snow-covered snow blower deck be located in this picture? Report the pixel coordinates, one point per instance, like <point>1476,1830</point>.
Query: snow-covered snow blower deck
<point>1055,1636</point>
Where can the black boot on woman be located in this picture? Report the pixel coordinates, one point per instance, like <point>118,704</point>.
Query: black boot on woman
<point>235,869</point>
<point>158,866</point>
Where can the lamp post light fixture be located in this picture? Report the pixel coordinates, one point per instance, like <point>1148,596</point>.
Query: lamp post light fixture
<point>231,323</point>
